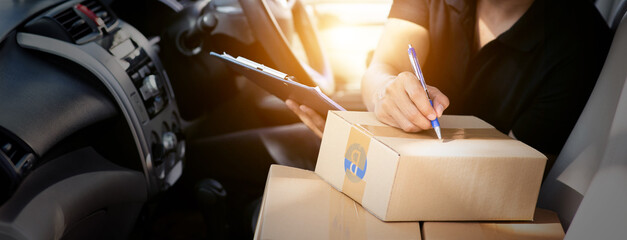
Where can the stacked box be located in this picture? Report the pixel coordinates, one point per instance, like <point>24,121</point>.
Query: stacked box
<point>297,204</point>
<point>475,174</point>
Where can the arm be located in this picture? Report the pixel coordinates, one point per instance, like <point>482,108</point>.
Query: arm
<point>389,87</point>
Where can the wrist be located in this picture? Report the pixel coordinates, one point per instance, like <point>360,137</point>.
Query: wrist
<point>381,91</point>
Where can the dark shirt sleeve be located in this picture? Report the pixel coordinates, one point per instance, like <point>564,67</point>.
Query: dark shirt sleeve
<point>547,122</point>
<point>416,11</point>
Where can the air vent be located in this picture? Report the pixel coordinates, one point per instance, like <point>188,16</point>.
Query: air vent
<point>101,11</point>
<point>16,161</point>
<point>73,24</point>
<point>21,158</point>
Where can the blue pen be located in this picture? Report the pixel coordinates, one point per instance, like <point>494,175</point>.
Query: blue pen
<point>414,63</point>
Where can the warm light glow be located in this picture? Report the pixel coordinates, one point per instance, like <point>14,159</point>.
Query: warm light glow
<point>349,30</point>
<point>347,48</point>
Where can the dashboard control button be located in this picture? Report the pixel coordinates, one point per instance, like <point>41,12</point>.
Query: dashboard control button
<point>135,77</point>
<point>143,71</point>
<point>157,104</point>
<point>169,141</point>
<point>149,87</point>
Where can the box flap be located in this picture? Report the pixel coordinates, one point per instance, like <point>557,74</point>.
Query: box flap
<point>450,121</point>
<point>356,117</point>
<point>466,136</point>
<point>462,148</point>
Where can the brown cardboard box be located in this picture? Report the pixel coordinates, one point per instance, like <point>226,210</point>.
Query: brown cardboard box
<point>545,226</point>
<point>297,204</point>
<point>477,173</point>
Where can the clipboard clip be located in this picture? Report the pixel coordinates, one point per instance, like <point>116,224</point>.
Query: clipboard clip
<point>260,67</point>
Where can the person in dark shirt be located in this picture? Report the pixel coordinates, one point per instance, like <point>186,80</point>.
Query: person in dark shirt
<point>526,67</point>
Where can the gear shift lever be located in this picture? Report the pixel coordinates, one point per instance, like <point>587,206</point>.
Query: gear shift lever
<point>191,39</point>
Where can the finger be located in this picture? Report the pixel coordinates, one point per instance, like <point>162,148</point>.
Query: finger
<point>292,105</point>
<point>397,110</point>
<point>440,101</point>
<point>405,124</point>
<point>409,110</point>
<point>314,116</point>
<point>311,125</point>
<point>400,120</point>
<point>384,117</point>
<point>295,107</point>
<point>417,94</point>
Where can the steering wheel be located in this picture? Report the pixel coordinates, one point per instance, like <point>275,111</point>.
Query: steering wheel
<point>262,21</point>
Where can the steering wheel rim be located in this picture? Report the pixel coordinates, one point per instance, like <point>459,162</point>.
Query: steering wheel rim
<point>264,26</point>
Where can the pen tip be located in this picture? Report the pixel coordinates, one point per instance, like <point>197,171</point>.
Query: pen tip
<point>437,132</point>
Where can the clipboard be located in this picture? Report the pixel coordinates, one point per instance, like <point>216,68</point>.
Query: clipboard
<point>280,84</point>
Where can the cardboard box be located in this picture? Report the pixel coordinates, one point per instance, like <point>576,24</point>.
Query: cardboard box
<point>475,173</point>
<point>297,204</point>
<point>545,226</point>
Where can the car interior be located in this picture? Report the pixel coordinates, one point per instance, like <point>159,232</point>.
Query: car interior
<point>99,98</point>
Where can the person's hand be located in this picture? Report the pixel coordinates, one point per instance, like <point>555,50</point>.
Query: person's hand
<point>311,118</point>
<point>403,103</point>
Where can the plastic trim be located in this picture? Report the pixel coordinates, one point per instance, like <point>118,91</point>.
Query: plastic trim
<point>76,54</point>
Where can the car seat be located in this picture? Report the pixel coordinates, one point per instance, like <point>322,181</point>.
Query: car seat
<point>612,11</point>
<point>588,183</point>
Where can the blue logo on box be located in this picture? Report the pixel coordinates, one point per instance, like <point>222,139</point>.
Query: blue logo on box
<point>355,162</point>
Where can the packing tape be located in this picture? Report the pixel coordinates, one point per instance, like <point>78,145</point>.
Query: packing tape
<point>447,133</point>
<point>356,163</point>
<point>346,220</point>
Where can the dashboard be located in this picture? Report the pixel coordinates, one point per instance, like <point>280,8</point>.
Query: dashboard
<point>86,106</point>
<point>126,64</point>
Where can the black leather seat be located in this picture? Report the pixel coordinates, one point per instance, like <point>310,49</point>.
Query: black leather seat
<point>613,11</point>
<point>587,186</point>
